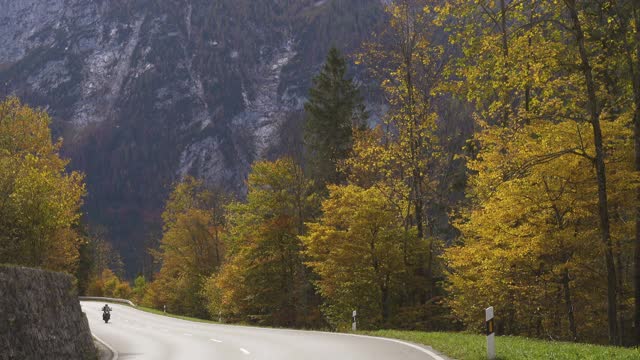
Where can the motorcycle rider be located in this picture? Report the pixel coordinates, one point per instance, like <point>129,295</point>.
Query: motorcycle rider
<point>106,313</point>
<point>106,308</point>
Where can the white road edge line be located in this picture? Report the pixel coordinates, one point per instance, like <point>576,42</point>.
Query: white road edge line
<point>113,351</point>
<point>420,348</point>
<point>245,351</point>
<point>214,340</point>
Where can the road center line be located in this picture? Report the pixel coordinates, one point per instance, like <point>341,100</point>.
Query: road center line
<point>214,340</point>
<point>245,351</point>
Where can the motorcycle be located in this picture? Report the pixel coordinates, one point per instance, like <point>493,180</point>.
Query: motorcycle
<point>106,316</point>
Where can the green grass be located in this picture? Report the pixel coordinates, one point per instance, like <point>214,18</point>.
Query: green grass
<point>160,312</point>
<point>463,346</point>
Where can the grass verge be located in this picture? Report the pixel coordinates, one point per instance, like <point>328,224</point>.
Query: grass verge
<point>160,312</point>
<point>463,346</point>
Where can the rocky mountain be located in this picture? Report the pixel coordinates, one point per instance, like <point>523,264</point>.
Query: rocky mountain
<point>146,91</point>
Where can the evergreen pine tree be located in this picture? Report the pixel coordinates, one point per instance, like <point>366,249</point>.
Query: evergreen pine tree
<point>335,107</point>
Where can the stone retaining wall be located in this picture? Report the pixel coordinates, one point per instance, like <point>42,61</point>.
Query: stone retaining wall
<point>40,317</point>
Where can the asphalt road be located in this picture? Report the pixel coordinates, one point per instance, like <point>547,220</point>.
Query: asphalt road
<point>135,334</point>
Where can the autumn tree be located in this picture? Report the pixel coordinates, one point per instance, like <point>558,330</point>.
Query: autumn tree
<point>529,246</point>
<point>410,67</point>
<point>555,66</point>
<point>357,248</point>
<point>191,248</point>
<point>335,107</point>
<point>621,40</point>
<point>39,200</point>
<point>264,279</point>
<point>594,107</point>
<point>108,284</point>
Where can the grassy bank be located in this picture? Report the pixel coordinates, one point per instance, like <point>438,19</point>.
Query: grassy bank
<point>472,347</point>
<point>160,312</point>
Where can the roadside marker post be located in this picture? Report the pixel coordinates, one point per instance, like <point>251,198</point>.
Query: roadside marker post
<point>353,324</point>
<point>491,333</point>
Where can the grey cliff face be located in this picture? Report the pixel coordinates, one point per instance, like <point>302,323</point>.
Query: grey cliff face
<point>145,92</point>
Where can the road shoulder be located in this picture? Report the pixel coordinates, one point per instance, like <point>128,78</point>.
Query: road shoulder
<point>105,352</point>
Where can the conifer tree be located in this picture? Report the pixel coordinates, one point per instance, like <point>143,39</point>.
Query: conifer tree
<point>335,107</point>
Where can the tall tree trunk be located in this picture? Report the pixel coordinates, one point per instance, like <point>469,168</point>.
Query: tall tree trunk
<point>505,54</point>
<point>569,304</point>
<point>635,71</point>
<point>603,210</point>
<point>386,306</point>
<point>620,279</point>
<point>408,50</point>
<point>558,319</point>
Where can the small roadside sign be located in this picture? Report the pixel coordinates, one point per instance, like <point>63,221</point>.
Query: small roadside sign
<point>491,333</point>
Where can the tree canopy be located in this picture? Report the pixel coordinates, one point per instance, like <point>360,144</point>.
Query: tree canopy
<point>39,200</point>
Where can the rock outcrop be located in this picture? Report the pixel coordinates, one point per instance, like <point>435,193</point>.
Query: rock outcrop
<point>41,318</point>
<point>147,91</point>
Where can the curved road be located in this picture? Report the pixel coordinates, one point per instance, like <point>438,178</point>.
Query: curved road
<point>135,334</point>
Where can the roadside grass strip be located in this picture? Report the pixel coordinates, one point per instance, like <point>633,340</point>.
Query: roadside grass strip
<point>462,346</point>
<point>160,312</point>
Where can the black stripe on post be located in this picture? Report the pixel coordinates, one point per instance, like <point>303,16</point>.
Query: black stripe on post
<point>490,327</point>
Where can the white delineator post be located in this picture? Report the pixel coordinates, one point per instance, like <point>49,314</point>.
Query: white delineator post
<point>491,333</point>
<point>353,324</point>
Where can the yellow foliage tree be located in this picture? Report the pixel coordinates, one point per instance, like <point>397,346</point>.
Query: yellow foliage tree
<point>405,149</point>
<point>107,284</point>
<point>558,61</point>
<point>359,249</point>
<point>530,244</point>
<point>264,279</point>
<point>191,248</point>
<point>39,201</point>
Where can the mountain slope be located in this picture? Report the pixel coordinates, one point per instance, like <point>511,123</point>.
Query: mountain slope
<point>147,91</point>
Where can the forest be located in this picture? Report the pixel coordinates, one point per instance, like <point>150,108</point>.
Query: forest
<point>505,173</point>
